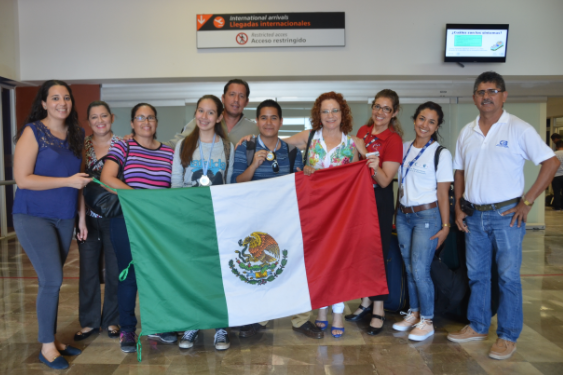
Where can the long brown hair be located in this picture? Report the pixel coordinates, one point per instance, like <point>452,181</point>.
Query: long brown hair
<point>189,144</point>
<point>75,136</point>
<point>394,125</point>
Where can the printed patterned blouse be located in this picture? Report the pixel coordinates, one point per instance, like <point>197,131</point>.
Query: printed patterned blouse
<point>342,154</point>
<point>91,158</point>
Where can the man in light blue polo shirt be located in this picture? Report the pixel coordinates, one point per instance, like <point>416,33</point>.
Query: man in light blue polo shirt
<point>492,208</point>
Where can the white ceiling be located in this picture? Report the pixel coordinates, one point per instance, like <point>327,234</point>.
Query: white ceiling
<point>179,93</point>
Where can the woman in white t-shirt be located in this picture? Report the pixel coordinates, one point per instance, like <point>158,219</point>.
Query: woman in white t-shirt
<point>423,215</point>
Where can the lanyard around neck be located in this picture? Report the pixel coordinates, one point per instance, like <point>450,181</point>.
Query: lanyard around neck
<point>266,147</point>
<point>205,163</point>
<point>411,163</point>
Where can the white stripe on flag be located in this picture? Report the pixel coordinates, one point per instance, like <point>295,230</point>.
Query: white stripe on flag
<point>268,206</point>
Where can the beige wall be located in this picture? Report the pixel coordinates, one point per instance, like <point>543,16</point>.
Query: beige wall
<point>147,39</point>
<point>554,107</point>
<point>9,43</point>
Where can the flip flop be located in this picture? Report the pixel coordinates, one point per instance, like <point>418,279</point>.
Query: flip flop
<point>325,322</point>
<point>332,329</point>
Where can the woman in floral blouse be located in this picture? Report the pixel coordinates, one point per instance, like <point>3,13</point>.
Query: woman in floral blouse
<point>98,243</point>
<point>330,146</point>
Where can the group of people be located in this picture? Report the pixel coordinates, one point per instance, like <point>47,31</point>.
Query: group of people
<point>221,146</point>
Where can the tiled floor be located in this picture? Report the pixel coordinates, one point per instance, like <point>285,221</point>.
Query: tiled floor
<point>278,350</point>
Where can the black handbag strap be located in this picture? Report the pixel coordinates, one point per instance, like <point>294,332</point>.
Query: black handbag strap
<point>90,170</point>
<point>311,135</point>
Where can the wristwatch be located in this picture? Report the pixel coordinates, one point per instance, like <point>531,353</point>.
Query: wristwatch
<point>446,225</point>
<point>373,175</point>
<point>526,201</point>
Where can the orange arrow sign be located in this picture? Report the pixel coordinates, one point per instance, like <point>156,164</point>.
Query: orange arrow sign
<point>202,19</point>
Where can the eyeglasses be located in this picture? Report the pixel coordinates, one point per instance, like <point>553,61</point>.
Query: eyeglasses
<point>334,111</point>
<point>377,107</point>
<point>491,92</point>
<point>142,118</point>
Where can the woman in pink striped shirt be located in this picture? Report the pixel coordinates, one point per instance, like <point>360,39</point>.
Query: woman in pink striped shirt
<point>146,164</point>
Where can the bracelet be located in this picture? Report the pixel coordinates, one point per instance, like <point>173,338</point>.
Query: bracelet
<point>446,225</point>
<point>526,201</point>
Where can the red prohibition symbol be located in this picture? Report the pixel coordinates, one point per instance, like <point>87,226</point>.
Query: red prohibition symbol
<point>242,38</point>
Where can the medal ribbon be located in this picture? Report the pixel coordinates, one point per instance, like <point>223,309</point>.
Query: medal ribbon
<point>411,163</point>
<point>205,163</point>
<point>263,145</point>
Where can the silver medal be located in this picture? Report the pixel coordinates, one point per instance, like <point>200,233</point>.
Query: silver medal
<point>204,181</point>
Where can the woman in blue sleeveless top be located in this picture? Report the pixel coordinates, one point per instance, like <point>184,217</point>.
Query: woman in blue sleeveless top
<point>47,163</point>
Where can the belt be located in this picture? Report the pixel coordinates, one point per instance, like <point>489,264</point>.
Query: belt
<point>413,209</point>
<point>494,206</point>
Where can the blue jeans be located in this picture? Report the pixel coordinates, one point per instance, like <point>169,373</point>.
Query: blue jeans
<point>414,231</point>
<point>490,235</point>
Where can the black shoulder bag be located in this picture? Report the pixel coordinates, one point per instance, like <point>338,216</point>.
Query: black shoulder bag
<point>97,198</point>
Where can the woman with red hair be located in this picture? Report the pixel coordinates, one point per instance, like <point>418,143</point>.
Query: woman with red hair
<point>328,146</point>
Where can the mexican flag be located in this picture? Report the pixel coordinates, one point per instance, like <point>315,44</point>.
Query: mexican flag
<point>237,254</point>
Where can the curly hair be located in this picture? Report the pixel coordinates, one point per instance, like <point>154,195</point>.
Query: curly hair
<point>75,136</point>
<point>346,124</point>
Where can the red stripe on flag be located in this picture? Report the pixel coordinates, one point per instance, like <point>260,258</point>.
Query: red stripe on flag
<point>341,238</point>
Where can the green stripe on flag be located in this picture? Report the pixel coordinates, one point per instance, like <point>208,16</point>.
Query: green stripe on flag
<point>180,288</point>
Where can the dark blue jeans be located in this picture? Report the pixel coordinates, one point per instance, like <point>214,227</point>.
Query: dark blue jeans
<point>126,289</point>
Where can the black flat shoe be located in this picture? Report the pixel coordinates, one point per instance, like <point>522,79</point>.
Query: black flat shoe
<point>374,331</point>
<point>70,351</point>
<point>79,336</point>
<point>356,318</point>
<point>113,333</point>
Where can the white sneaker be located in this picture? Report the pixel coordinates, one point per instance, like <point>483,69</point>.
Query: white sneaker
<point>187,340</point>
<point>423,330</point>
<point>410,321</point>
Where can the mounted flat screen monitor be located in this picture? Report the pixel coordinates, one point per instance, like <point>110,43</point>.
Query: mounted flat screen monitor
<point>476,43</point>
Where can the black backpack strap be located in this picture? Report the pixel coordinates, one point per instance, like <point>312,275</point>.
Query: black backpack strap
<point>227,151</point>
<point>311,135</point>
<point>250,150</point>
<point>292,151</point>
<point>437,156</point>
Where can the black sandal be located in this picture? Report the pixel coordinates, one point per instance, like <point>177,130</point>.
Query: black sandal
<point>374,331</point>
<point>113,333</point>
<point>79,336</point>
<point>356,318</point>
